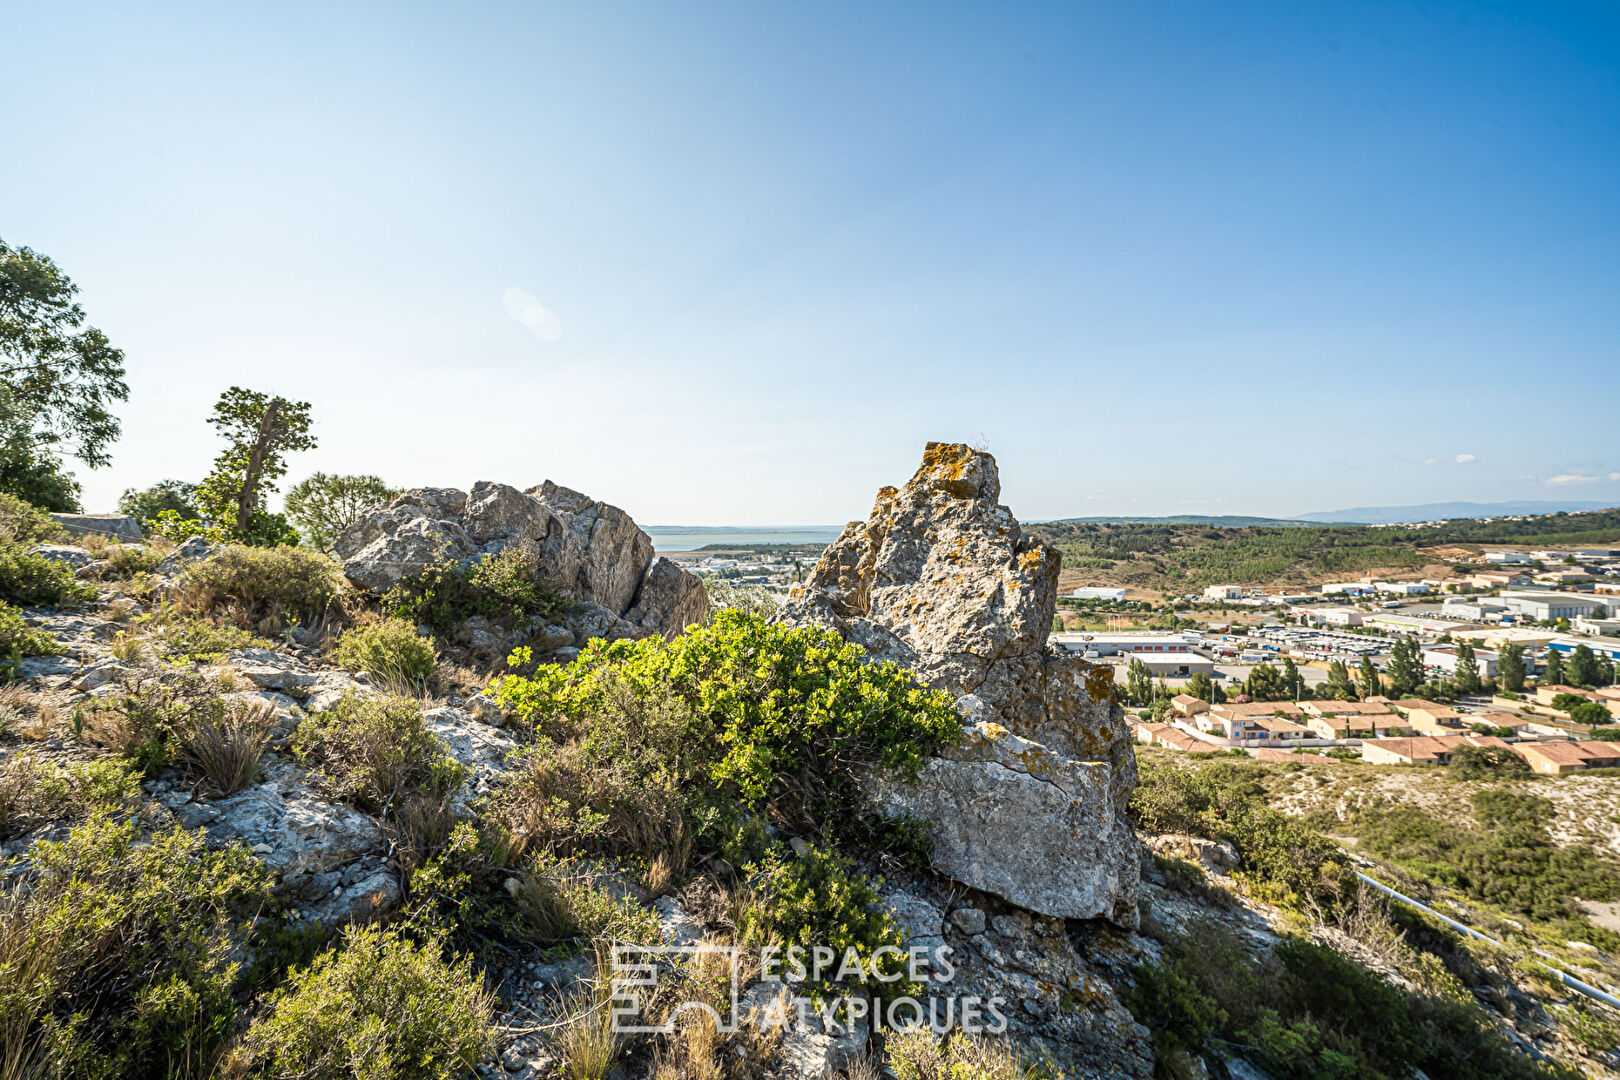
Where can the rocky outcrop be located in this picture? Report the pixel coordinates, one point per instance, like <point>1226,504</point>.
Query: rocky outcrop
<point>120,527</point>
<point>1030,806</point>
<point>588,550</point>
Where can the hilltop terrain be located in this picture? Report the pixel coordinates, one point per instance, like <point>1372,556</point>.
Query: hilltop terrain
<point>1179,559</point>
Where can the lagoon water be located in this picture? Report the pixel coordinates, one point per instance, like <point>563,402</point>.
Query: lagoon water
<point>691,537</point>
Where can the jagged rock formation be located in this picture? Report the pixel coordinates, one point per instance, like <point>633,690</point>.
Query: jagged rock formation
<point>591,551</point>
<point>1030,806</point>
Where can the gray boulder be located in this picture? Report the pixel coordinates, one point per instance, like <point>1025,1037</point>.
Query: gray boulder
<point>64,553</point>
<point>1031,804</point>
<point>590,551</point>
<point>118,526</point>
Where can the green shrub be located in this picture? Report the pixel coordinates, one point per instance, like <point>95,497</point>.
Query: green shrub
<point>1288,858</point>
<point>186,640</point>
<point>505,586</point>
<point>258,582</point>
<point>33,792</point>
<point>35,581</point>
<point>1307,1011</point>
<point>143,719</point>
<point>820,898</point>
<point>324,505</point>
<point>23,522</point>
<point>1507,858</point>
<point>1486,763</point>
<point>18,639</point>
<point>1591,713</point>
<point>918,1054</point>
<point>376,751</point>
<point>122,957</point>
<point>391,651</point>
<point>378,1005</point>
<point>560,899</point>
<point>176,496</point>
<point>131,559</point>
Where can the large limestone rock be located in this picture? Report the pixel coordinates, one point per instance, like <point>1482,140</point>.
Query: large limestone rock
<point>591,551</point>
<point>1031,804</point>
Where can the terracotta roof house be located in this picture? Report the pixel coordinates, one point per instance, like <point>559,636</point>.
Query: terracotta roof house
<point>1555,758</point>
<point>1187,705</point>
<point>1422,750</point>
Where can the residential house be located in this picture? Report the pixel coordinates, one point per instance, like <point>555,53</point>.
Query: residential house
<point>1422,750</point>
<point>1546,694</point>
<point>1187,705</point>
<point>1428,717</point>
<point>1555,757</point>
<point>1172,738</point>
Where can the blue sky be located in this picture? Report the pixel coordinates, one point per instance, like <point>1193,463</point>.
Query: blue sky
<point>735,263</point>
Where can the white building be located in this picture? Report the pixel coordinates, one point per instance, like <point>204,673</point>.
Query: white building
<point>1542,606</point>
<point>1123,644</point>
<point>1444,657</point>
<point>1346,588</point>
<point>1224,592</point>
<point>1507,557</point>
<point>1401,588</point>
<point>1097,592</point>
<point>1333,616</point>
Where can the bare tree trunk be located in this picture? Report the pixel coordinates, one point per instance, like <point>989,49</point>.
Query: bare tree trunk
<point>244,507</point>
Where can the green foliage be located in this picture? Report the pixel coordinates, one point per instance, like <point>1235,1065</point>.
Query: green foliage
<point>324,505</point>
<point>34,792</point>
<point>1510,667</point>
<point>186,640</point>
<point>35,581</point>
<point>121,959</point>
<point>1566,702</point>
<point>504,586</point>
<point>259,431</point>
<point>30,469</point>
<point>1486,763</point>
<point>1467,677</point>
<point>379,1005</point>
<point>1554,675</point>
<point>18,639</point>
<point>391,651</point>
<point>1308,1012</point>
<point>778,712</point>
<point>1266,683</point>
<point>24,522</point>
<point>917,1054</point>
<point>375,752</point>
<point>171,495</point>
<point>1591,712</point>
<point>1284,856</point>
<point>1337,686</point>
<point>57,375</point>
<point>1405,667</point>
<point>820,898</point>
<point>559,899</point>
<point>1505,857</point>
<point>1583,667</point>
<point>255,583</point>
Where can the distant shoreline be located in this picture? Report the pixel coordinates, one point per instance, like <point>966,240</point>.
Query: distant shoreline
<point>674,538</point>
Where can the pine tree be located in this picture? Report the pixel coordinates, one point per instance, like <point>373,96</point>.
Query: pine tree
<point>1266,683</point>
<point>1405,667</point>
<point>1371,684</point>
<point>1554,675</point>
<point>1510,667</point>
<point>1338,685</point>
<point>1467,670</point>
<point>1294,680</point>
<point>1583,667</point>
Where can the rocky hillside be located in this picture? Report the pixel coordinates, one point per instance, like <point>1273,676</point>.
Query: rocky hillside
<point>393,815</point>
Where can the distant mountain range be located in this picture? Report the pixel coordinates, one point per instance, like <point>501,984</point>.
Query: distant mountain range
<point>1391,515</point>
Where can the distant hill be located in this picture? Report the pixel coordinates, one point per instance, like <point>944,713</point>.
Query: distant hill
<point>1229,520</point>
<point>1393,515</point>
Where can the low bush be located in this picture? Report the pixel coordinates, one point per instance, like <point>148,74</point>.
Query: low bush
<point>821,898</point>
<point>121,958</point>
<point>392,652</point>
<point>187,640</point>
<point>288,584</point>
<point>35,581</point>
<point>1592,713</point>
<point>639,743</point>
<point>1289,860</point>
<point>131,559</point>
<point>505,586</point>
<point>21,522</point>
<point>1505,857</point>
<point>18,639</point>
<point>377,1005</point>
<point>918,1054</point>
<point>1486,763</point>
<point>377,751</point>
<point>1307,1011</point>
<point>561,899</point>
<point>148,716</point>
<point>34,793</point>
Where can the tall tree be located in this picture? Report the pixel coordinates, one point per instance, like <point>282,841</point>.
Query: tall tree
<point>1605,671</point>
<point>1554,675</point>
<point>260,430</point>
<point>1405,668</point>
<point>1202,687</point>
<point>1468,681</point>
<point>1510,667</point>
<point>58,377</point>
<point>145,505</point>
<point>1338,686</point>
<point>1583,667</point>
<point>1370,684</point>
<point>1138,683</point>
<point>1294,680</point>
<point>323,506</point>
<point>1266,683</point>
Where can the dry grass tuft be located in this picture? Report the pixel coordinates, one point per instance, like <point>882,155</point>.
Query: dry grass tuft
<point>227,745</point>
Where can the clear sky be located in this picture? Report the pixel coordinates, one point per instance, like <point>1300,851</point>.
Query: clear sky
<point>735,263</point>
